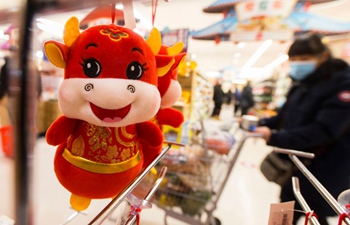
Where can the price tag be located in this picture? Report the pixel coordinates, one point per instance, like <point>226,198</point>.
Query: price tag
<point>5,220</point>
<point>281,213</point>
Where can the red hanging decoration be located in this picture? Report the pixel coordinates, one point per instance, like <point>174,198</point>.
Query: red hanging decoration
<point>113,12</point>
<point>341,218</point>
<point>307,6</point>
<point>343,215</point>
<point>259,36</point>
<point>154,10</point>
<point>217,39</point>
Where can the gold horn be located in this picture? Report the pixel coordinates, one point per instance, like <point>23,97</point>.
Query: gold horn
<point>154,40</point>
<point>176,48</point>
<point>71,31</point>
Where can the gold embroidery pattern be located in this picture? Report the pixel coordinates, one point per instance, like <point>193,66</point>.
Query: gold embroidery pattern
<point>112,153</point>
<point>114,34</point>
<point>98,136</point>
<point>78,146</point>
<point>126,154</point>
<point>101,147</point>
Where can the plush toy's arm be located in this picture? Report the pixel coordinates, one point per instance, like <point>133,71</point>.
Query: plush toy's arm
<point>150,133</point>
<point>151,140</point>
<point>59,130</point>
<point>170,116</point>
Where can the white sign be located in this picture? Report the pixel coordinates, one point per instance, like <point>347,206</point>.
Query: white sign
<point>264,8</point>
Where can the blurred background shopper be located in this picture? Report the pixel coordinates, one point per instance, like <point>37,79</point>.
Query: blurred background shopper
<point>247,100</point>
<point>315,118</point>
<point>218,98</point>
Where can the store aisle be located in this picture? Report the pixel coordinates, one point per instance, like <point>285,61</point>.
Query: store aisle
<point>245,200</point>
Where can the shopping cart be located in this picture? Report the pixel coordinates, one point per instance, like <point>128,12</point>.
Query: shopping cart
<point>125,208</point>
<point>196,177</point>
<point>338,207</point>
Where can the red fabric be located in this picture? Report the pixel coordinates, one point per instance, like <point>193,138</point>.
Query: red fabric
<point>170,116</point>
<point>102,144</point>
<point>164,81</point>
<point>151,139</point>
<point>91,185</point>
<point>59,130</point>
<point>115,51</point>
<point>97,144</point>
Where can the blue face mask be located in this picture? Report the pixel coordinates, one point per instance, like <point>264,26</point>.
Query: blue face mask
<point>300,70</point>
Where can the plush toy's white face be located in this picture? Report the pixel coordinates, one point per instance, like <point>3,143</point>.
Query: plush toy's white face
<point>171,95</point>
<point>108,102</point>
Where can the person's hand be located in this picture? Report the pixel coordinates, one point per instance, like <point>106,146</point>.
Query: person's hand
<point>264,131</point>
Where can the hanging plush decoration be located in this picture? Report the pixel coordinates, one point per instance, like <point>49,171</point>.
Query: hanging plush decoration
<point>108,95</point>
<point>170,91</point>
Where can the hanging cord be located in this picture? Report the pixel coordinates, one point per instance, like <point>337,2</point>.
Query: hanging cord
<point>135,211</point>
<point>113,12</point>
<point>344,215</point>
<point>309,215</point>
<point>154,10</point>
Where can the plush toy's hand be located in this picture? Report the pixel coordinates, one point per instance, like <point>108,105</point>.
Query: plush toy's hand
<point>151,140</point>
<point>170,116</point>
<point>59,130</point>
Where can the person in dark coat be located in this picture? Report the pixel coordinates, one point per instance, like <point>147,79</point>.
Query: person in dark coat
<point>237,104</point>
<point>247,100</point>
<point>4,78</point>
<point>315,118</point>
<point>218,98</point>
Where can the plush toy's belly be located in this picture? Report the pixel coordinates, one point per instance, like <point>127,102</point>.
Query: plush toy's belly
<point>94,181</point>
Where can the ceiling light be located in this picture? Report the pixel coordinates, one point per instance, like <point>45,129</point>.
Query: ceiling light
<point>263,47</point>
<point>213,74</point>
<point>281,59</point>
<point>241,45</point>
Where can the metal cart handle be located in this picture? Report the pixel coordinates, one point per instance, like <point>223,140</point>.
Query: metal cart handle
<point>320,188</point>
<point>296,189</point>
<point>107,211</point>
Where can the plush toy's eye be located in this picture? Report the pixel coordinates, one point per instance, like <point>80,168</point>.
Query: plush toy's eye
<point>134,70</point>
<point>91,67</point>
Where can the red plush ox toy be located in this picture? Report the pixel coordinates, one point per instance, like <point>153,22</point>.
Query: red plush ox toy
<point>170,91</point>
<point>108,95</point>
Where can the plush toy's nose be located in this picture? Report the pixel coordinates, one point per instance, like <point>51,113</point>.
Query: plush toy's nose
<point>89,87</point>
<point>131,88</point>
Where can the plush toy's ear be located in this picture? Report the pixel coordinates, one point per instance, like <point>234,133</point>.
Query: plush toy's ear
<point>164,64</point>
<point>176,48</point>
<point>178,59</point>
<point>57,53</point>
<point>71,31</point>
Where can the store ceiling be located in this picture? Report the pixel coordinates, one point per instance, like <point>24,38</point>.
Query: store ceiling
<point>177,14</point>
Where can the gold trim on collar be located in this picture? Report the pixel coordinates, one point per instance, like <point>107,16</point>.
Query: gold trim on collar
<point>103,168</point>
<point>128,144</point>
<point>126,134</point>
